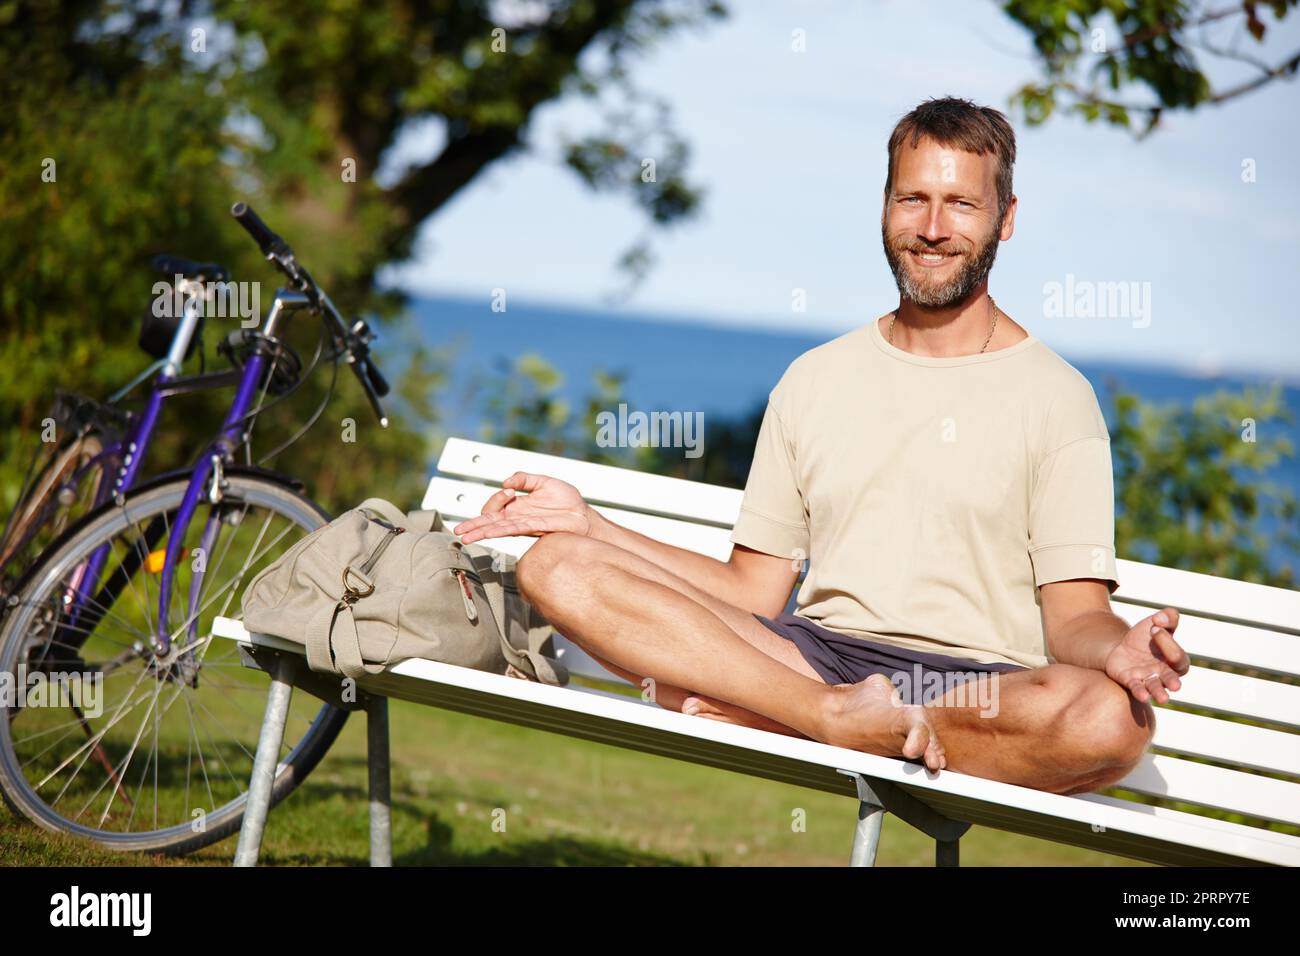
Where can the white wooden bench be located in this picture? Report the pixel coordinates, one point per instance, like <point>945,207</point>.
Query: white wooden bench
<point>1242,754</point>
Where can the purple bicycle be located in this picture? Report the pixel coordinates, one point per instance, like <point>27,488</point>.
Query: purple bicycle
<point>121,721</point>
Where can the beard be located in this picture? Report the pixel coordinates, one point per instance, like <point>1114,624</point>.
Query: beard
<point>931,293</point>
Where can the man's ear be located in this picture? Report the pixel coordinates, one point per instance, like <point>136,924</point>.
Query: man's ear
<point>1009,220</point>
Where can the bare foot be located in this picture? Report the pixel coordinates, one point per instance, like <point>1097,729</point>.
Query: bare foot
<point>872,717</point>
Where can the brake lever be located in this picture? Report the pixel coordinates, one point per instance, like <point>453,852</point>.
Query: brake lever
<point>362,336</point>
<point>362,374</point>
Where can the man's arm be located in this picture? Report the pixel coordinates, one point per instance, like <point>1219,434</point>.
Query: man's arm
<point>1080,626</point>
<point>752,580</point>
<point>1081,629</point>
<point>757,582</point>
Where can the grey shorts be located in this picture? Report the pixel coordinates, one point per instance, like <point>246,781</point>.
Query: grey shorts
<point>844,659</point>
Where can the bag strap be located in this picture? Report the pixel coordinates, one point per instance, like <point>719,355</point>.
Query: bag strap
<point>322,652</point>
<point>530,661</point>
<point>385,509</point>
<point>425,520</point>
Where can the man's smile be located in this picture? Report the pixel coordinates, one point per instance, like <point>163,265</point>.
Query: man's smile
<point>931,260</point>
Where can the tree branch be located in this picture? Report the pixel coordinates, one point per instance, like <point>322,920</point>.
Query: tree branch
<point>1284,70</point>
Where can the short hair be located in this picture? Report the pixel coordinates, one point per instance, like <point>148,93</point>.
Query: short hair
<point>959,123</point>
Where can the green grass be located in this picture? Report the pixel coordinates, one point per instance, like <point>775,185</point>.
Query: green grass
<point>564,802</point>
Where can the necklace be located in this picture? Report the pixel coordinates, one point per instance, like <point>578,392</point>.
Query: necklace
<point>992,305</point>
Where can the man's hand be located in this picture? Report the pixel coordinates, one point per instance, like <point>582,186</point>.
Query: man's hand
<point>549,505</point>
<point>1148,659</point>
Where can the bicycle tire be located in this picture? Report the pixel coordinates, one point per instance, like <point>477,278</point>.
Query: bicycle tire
<point>37,509</point>
<point>104,525</point>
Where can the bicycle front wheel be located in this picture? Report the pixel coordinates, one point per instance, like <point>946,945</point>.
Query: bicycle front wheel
<point>153,754</point>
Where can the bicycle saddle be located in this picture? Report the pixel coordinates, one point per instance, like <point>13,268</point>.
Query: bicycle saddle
<point>201,271</point>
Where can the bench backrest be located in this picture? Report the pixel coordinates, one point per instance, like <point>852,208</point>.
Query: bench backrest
<point>1230,739</point>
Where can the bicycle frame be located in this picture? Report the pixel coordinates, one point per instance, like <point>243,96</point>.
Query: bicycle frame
<point>206,475</point>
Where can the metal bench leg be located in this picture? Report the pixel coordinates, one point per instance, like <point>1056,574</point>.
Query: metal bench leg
<point>866,837</point>
<point>265,761</point>
<point>947,852</point>
<point>381,823</point>
<point>875,797</point>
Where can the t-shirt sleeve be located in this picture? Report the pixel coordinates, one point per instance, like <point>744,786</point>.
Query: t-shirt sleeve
<point>772,517</point>
<point>1072,508</point>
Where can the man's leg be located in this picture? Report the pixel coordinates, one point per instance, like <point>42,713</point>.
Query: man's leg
<point>742,622</point>
<point>1058,728</point>
<point>648,628</point>
<point>675,698</point>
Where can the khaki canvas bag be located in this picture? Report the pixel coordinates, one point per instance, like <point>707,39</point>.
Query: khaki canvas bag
<point>375,587</point>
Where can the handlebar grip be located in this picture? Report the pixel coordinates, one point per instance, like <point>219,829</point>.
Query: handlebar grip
<point>267,240</point>
<point>377,380</point>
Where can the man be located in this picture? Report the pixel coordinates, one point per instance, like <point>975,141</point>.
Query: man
<point>949,479</point>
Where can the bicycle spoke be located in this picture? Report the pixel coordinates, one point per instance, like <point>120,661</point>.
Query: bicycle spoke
<point>217,750</point>
<point>140,545</point>
<point>127,762</point>
<point>221,727</point>
<point>81,629</point>
<point>85,748</point>
<point>98,737</point>
<point>104,610</point>
<point>227,586</point>
<point>144,772</point>
<point>207,783</point>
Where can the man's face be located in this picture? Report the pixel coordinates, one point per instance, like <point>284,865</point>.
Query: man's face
<point>939,225</point>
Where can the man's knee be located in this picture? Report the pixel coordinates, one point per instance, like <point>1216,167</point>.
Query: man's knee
<point>548,565</point>
<point>1134,730</point>
<point>1109,724</point>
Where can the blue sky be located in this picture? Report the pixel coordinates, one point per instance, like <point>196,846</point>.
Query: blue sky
<point>790,150</point>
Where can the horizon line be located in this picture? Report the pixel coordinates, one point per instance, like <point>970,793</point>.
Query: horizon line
<point>723,323</point>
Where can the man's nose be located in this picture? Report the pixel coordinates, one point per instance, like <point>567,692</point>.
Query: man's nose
<point>934,228</point>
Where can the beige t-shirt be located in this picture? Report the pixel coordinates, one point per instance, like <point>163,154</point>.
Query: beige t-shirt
<point>931,496</point>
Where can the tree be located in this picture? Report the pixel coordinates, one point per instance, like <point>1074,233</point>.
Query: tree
<point>131,126</point>
<point>1093,51</point>
<point>1189,488</point>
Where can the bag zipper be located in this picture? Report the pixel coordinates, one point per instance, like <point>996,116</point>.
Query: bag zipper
<point>393,532</point>
<point>471,610</point>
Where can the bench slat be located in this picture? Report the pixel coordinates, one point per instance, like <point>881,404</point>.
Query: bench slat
<point>1225,741</point>
<point>1224,642</point>
<point>1207,595</point>
<point>599,484</point>
<point>1169,813</point>
<point>464,499</point>
<point>1239,696</point>
<point>1201,784</point>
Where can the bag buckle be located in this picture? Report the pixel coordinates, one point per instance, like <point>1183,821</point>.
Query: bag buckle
<point>351,593</point>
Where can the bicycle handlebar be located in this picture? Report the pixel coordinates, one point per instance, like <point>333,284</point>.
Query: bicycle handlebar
<point>352,341</point>
<point>270,244</point>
